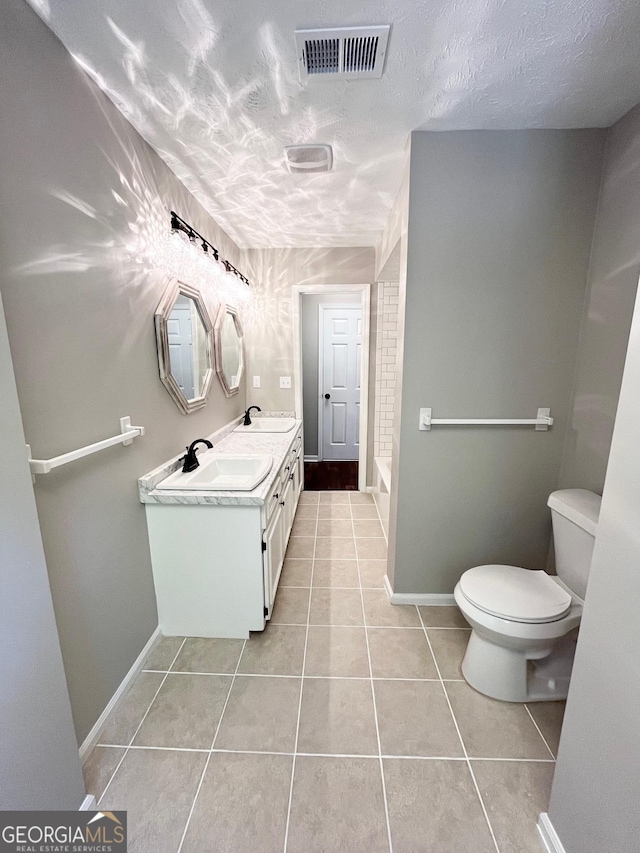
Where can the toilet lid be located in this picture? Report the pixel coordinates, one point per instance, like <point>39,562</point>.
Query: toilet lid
<point>513,593</point>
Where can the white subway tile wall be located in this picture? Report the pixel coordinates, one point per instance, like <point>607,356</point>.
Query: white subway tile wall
<point>386,350</point>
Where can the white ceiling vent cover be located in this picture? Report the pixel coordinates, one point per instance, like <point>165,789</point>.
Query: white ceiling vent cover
<point>356,53</point>
<point>308,158</point>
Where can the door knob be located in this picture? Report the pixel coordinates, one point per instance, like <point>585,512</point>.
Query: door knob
<point>327,396</point>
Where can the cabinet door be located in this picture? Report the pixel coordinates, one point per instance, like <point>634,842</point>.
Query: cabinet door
<point>300,475</point>
<point>293,477</point>
<point>274,541</point>
<point>288,510</point>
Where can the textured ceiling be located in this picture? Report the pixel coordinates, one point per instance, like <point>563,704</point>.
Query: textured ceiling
<point>213,85</point>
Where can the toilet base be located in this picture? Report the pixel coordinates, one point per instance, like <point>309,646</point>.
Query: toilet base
<point>517,675</point>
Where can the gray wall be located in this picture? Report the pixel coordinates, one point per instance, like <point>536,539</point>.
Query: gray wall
<point>613,282</point>
<point>269,326</point>
<point>594,800</point>
<point>499,233</point>
<point>40,768</point>
<point>84,261</point>
<point>309,331</point>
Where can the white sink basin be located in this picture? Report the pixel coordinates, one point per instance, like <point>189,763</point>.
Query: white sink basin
<point>218,472</point>
<point>268,425</point>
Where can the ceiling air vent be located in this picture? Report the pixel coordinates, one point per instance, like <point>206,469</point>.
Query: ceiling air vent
<point>308,158</point>
<point>356,53</point>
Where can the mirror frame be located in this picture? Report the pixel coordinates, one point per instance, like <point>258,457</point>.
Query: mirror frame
<point>217,339</point>
<point>175,289</point>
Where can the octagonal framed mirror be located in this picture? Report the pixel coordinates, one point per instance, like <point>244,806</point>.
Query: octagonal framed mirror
<point>184,341</point>
<point>229,350</point>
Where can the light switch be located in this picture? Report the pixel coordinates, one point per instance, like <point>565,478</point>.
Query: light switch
<point>285,382</point>
<point>256,381</point>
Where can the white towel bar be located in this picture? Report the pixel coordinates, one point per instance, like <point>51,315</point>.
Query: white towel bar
<point>128,433</point>
<point>541,422</point>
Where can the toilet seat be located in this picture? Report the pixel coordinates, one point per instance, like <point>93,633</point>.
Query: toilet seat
<point>516,594</point>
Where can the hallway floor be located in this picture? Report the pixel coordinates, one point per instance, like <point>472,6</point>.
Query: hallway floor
<point>330,476</point>
<point>344,726</point>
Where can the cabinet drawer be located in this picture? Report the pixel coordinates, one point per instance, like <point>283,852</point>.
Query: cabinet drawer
<point>284,476</point>
<point>287,469</point>
<point>275,494</point>
<point>295,450</point>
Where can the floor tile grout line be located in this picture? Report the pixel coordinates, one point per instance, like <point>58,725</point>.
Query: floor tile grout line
<point>240,674</point>
<point>206,764</point>
<point>345,559</point>
<point>144,717</point>
<point>370,755</point>
<point>196,672</point>
<point>304,664</point>
<point>317,586</point>
<point>462,758</point>
<point>462,743</point>
<point>375,710</point>
<point>220,751</point>
<point>279,675</point>
<point>372,589</point>
<point>226,702</point>
<point>338,535</point>
<point>160,748</point>
<point>539,731</point>
<point>362,625</point>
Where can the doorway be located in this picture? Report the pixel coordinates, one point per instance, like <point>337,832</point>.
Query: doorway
<point>331,326</point>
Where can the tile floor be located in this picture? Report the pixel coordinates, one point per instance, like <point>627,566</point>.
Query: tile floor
<point>344,726</point>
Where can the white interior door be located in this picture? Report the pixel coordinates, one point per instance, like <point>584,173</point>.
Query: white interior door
<point>179,331</point>
<point>340,351</point>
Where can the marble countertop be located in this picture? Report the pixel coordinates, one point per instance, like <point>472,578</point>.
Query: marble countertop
<point>224,441</point>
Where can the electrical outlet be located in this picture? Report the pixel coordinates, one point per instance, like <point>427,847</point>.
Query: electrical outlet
<point>256,381</point>
<point>285,382</point>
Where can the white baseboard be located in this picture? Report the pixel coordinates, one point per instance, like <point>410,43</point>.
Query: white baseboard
<point>92,737</point>
<point>549,835</point>
<point>310,458</point>
<point>421,599</point>
<point>89,804</point>
<point>371,490</point>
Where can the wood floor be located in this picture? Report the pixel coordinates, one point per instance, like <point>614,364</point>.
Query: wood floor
<point>331,476</point>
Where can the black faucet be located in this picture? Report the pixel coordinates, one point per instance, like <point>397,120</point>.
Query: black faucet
<point>247,415</point>
<point>191,460</point>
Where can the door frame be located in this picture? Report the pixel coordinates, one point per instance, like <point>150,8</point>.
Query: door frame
<point>362,292</point>
<point>321,410</point>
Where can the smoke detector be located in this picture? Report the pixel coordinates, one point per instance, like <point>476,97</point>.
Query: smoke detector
<point>356,53</point>
<point>308,158</point>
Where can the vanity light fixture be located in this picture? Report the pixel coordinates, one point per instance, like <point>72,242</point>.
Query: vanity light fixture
<point>229,269</point>
<point>178,224</point>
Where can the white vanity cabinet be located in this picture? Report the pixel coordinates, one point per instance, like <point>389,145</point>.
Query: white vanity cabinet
<point>217,558</point>
<point>279,513</point>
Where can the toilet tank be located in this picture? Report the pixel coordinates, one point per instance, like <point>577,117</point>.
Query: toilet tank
<point>574,514</point>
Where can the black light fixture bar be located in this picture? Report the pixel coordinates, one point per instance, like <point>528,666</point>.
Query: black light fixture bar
<point>179,224</point>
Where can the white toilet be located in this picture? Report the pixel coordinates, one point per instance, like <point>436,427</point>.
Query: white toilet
<point>523,640</point>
